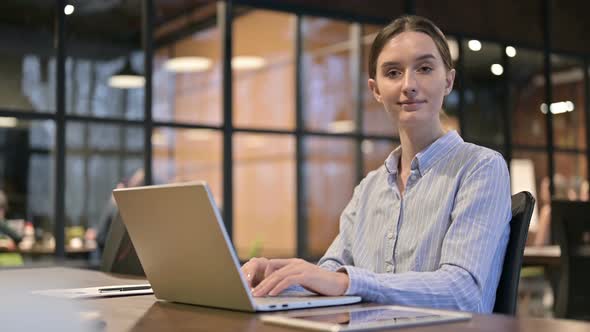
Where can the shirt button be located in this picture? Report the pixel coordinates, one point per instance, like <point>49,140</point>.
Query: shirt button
<point>390,235</point>
<point>388,268</point>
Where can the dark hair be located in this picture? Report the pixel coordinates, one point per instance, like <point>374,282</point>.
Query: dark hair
<point>409,23</point>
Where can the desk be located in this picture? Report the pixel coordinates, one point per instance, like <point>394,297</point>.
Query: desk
<point>545,255</point>
<point>145,313</point>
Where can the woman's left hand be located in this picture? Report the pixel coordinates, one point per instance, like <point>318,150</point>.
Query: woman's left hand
<point>295,271</point>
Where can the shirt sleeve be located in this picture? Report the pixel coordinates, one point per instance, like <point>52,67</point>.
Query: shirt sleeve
<point>340,251</point>
<point>472,250</point>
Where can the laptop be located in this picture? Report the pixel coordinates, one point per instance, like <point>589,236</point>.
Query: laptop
<point>187,255</point>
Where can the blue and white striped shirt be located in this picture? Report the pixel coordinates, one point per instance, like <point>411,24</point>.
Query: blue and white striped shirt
<point>442,245</point>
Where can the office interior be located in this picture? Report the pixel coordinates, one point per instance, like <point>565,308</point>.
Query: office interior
<point>267,102</point>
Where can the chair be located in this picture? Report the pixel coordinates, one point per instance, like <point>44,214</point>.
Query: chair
<point>570,226</point>
<point>119,254</point>
<point>507,292</point>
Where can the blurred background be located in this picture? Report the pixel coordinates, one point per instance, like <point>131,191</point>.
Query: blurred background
<point>267,101</point>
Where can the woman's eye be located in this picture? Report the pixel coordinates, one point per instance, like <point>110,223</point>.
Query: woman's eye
<point>393,73</point>
<point>425,69</point>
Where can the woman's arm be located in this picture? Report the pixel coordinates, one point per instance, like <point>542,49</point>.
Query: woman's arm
<point>472,251</point>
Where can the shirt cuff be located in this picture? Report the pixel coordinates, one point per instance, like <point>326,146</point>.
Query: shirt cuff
<point>357,280</point>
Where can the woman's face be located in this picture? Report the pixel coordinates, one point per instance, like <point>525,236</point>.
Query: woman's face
<point>411,79</point>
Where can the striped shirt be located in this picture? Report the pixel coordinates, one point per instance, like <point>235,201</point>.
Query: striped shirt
<point>442,244</point>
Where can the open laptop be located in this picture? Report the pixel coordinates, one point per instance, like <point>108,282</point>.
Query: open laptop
<point>187,255</point>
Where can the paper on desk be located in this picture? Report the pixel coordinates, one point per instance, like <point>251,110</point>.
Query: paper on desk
<point>102,291</point>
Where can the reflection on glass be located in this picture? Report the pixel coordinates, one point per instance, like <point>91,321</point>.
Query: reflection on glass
<point>264,191</point>
<point>26,179</point>
<point>484,96</point>
<point>527,93</point>
<point>96,53</point>
<point>328,98</point>
<point>329,170</point>
<point>99,157</point>
<point>528,171</point>
<point>567,79</point>
<point>264,70</point>
<point>539,162</point>
<point>570,179</point>
<point>375,152</point>
<point>187,71</point>
<point>181,155</point>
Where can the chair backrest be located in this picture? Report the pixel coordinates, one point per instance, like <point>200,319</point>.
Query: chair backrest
<point>119,255</point>
<point>507,292</point>
<point>570,227</point>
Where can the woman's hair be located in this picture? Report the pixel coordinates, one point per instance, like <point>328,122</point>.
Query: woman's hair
<point>409,23</point>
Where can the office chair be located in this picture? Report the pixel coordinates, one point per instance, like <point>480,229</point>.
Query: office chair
<point>507,292</point>
<point>570,225</point>
<point>119,254</point>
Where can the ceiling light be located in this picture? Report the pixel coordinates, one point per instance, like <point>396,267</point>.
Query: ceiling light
<point>68,9</point>
<point>187,64</point>
<point>474,45</point>
<point>8,122</point>
<point>510,51</point>
<point>342,126</point>
<point>559,107</point>
<point>497,69</point>
<point>242,62</point>
<point>126,78</point>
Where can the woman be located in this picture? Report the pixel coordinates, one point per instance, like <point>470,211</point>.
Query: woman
<point>428,228</point>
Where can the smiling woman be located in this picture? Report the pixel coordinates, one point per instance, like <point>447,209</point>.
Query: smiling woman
<point>430,226</point>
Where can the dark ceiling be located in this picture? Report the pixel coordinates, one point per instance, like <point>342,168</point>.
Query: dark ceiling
<point>114,26</point>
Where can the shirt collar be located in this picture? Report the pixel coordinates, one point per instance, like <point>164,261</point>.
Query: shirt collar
<point>425,159</point>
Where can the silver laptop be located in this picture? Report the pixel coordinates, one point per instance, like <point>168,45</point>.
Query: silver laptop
<point>186,254</point>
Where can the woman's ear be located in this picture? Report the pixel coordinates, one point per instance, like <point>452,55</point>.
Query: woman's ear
<point>450,79</point>
<point>375,89</point>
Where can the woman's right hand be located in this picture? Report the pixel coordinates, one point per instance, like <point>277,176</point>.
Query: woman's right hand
<point>254,270</point>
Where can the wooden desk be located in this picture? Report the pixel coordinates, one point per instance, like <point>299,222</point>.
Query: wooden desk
<point>145,313</point>
<point>545,255</point>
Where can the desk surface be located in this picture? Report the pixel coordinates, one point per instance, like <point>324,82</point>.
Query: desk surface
<point>544,255</point>
<point>145,313</point>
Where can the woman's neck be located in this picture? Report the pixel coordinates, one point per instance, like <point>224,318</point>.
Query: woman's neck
<point>414,140</point>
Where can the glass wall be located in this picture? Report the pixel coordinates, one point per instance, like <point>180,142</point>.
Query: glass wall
<point>527,95</point>
<point>99,158</point>
<point>187,68</point>
<point>27,159</point>
<point>569,127</point>
<point>264,203</point>
<point>328,98</point>
<point>27,57</point>
<point>106,124</point>
<point>258,65</point>
<point>483,92</point>
<point>329,170</point>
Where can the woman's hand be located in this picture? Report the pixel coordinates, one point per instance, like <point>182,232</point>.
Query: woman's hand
<point>282,273</point>
<point>254,270</point>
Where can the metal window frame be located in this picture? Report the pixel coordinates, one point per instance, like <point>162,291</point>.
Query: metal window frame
<point>225,23</point>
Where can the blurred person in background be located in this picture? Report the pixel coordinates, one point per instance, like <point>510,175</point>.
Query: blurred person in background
<point>100,230</point>
<point>9,239</point>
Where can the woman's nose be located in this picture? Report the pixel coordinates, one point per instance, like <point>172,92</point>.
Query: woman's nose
<point>410,87</point>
